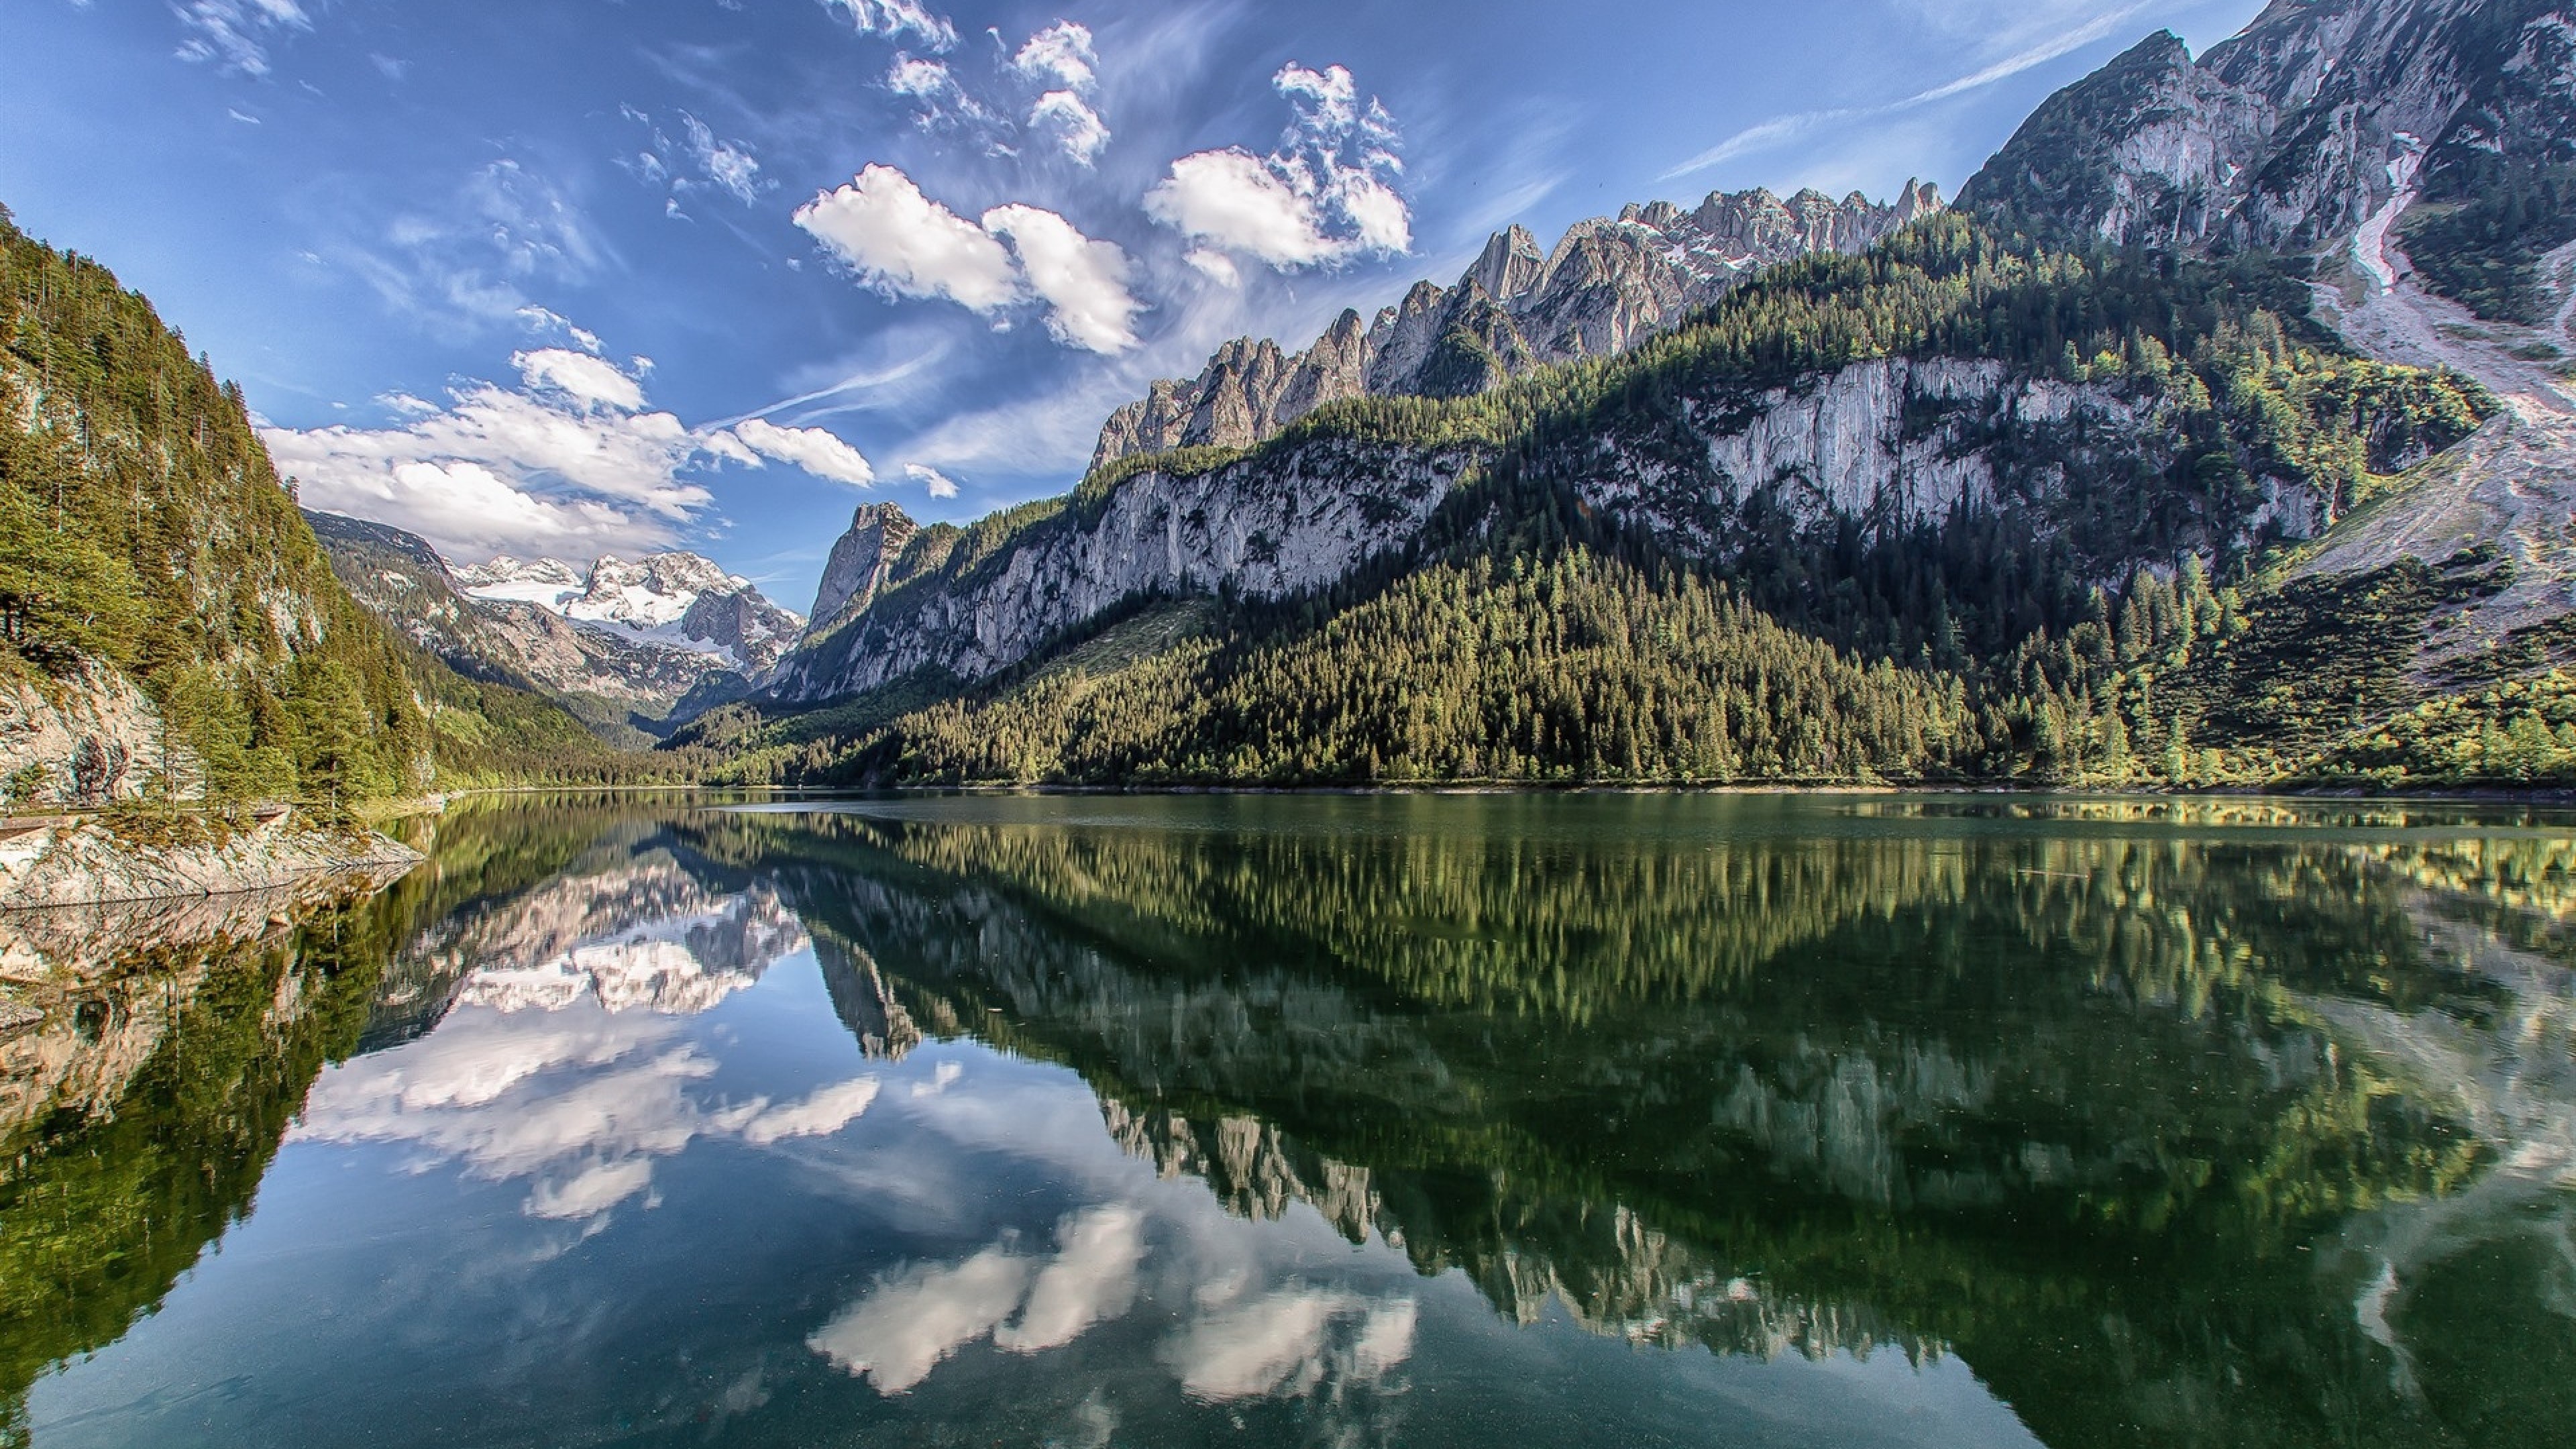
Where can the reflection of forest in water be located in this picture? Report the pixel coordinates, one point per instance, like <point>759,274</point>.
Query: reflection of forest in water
<point>2237,1123</point>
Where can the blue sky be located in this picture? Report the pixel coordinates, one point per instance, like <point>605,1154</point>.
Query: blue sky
<point>573,277</point>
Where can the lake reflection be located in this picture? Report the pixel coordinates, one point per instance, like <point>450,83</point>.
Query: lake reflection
<point>1596,1119</point>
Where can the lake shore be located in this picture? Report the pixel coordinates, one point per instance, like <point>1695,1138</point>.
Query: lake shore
<point>73,860</point>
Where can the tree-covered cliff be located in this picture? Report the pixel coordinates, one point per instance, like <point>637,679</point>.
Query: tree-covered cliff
<point>2057,575</point>
<point>145,537</point>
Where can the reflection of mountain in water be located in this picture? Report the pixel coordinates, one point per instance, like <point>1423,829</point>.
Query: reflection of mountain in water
<point>2174,1131</point>
<point>2068,1101</point>
<point>138,1115</point>
<point>688,953</point>
<point>632,931</point>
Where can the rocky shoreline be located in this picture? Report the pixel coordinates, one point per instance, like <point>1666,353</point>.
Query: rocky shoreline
<point>76,860</point>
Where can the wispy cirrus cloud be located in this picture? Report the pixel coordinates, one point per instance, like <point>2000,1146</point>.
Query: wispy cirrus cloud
<point>894,19</point>
<point>234,34</point>
<point>942,104</point>
<point>1780,130</point>
<point>934,482</point>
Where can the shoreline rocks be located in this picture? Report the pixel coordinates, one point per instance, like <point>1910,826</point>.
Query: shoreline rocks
<point>76,860</point>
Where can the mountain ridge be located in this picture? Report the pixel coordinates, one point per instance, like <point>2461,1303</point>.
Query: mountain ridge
<point>2108,455</point>
<point>1608,284</point>
<point>622,644</point>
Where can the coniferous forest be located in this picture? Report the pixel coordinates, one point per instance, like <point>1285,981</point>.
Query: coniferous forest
<point>2138,629</point>
<point>145,533</point>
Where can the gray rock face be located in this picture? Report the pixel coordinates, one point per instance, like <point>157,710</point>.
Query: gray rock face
<point>1249,391</point>
<point>2296,131</point>
<point>862,562</point>
<point>1608,285</point>
<point>640,636</point>
<point>1264,527</point>
<point>1883,444</point>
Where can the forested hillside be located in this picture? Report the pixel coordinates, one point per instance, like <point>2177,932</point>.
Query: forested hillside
<point>146,538</point>
<point>1570,612</point>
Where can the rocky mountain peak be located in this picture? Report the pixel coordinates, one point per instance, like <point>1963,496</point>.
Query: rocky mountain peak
<point>651,591</point>
<point>675,599</point>
<point>1608,284</point>
<point>2322,119</point>
<point>550,582</point>
<point>862,562</point>
<point>1511,263</point>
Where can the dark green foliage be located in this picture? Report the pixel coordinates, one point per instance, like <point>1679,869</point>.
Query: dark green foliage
<point>2499,186</point>
<point>1580,668</point>
<point>2521,732</point>
<point>2483,249</point>
<point>143,527</point>
<point>106,1207</point>
<point>1526,636</point>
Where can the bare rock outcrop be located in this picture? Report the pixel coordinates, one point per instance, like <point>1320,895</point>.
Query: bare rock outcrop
<point>1608,285</point>
<point>862,562</point>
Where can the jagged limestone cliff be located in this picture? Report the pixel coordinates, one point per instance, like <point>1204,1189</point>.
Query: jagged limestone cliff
<point>1606,286</point>
<point>2322,118</point>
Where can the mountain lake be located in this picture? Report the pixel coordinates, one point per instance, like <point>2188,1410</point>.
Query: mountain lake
<point>1617,1119</point>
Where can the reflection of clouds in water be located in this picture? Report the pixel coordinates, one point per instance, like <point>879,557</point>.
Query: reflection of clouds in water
<point>942,1077</point>
<point>1093,1277</point>
<point>820,1115</point>
<point>896,1335</point>
<point>579,1101</point>
<point>1286,1342</point>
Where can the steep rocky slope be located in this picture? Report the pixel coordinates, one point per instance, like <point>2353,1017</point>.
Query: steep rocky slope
<point>620,646</point>
<point>1607,285</point>
<point>2160,499</point>
<point>2418,152</point>
<point>1721,445</point>
<point>169,624</point>
<point>2322,118</point>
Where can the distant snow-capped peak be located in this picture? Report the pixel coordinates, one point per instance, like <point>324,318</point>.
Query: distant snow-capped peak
<point>677,599</point>
<point>549,582</point>
<point>651,592</point>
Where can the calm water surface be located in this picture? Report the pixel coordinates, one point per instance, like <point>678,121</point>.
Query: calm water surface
<point>1578,1120</point>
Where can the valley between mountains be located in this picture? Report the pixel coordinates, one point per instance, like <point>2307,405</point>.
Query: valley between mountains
<point>2219,432</point>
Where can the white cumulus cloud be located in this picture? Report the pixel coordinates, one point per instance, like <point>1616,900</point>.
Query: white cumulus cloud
<point>902,242</point>
<point>812,449</point>
<point>936,483</point>
<point>1077,128</point>
<point>571,461</point>
<point>1084,282</point>
<point>1234,199</point>
<point>1326,195</point>
<point>593,380</point>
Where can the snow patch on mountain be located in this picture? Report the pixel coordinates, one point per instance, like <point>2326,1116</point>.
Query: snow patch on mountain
<point>675,600</point>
